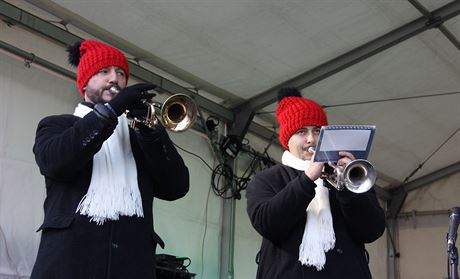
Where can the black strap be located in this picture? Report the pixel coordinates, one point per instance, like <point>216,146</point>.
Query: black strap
<point>105,112</point>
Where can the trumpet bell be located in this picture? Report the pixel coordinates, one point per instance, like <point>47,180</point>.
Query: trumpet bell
<point>359,176</point>
<point>178,112</point>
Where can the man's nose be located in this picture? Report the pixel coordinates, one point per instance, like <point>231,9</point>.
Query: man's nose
<point>113,77</point>
<point>310,137</point>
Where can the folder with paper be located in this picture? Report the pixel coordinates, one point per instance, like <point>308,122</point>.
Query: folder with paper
<point>356,139</point>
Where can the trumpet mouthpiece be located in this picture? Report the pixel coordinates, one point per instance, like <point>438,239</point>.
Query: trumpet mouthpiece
<point>114,89</point>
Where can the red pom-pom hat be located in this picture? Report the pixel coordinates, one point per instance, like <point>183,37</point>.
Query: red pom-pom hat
<point>295,112</point>
<point>95,56</point>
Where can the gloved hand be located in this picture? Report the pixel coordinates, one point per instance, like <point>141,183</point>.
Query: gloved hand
<point>138,110</point>
<point>130,95</point>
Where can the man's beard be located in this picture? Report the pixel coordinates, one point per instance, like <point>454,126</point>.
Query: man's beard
<point>96,96</point>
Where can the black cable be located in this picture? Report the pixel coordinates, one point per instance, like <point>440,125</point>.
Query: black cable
<point>223,178</point>
<point>205,229</point>
<point>392,99</point>
<point>380,101</point>
<point>184,266</point>
<point>219,172</point>
<point>191,153</point>
<point>211,123</point>
<point>257,162</point>
<point>205,210</point>
<point>429,157</point>
<point>225,172</point>
<point>250,170</point>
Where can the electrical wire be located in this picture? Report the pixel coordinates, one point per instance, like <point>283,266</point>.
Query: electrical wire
<point>193,154</point>
<point>392,99</point>
<point>205,208</point>
<point>419,167</point>
<point>222,179</point>
<point>379,101</point>
<point>226,184</point>
<point>205,231</point>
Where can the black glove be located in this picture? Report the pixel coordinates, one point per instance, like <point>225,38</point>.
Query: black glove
<point>131,95</point>
<point>138,109</point>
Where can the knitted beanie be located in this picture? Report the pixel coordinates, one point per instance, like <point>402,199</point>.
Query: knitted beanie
<point>295,112</point>
<point>91,56</point>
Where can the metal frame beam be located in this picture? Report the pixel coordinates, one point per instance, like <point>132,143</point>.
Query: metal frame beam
<point>68,17</point>
<point>36,61</point>
<point>33,59</point>
<point>262,131</point>
<point>439,174</point>
<point>13,15</point>
<point>446,32</point>
<point>400,193</point>
<point>358,54</point>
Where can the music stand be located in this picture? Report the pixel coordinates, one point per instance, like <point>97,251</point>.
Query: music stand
<point>453,263</point>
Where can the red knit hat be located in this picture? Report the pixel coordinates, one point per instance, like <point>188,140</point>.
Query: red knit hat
<point>91,56</point>
<point>295,112</point>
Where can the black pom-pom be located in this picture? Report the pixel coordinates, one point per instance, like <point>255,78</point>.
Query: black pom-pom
<point>288,92</point>
<point>74,54</point>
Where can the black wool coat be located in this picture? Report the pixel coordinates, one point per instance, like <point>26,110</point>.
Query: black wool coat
<point>71,246</point>
<point>277,199</point>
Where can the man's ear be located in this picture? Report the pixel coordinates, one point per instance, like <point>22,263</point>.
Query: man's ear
<point>84,93</point>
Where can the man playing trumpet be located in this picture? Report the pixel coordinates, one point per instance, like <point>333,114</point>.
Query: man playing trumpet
<point>309,230</point>
<point>101,176</point>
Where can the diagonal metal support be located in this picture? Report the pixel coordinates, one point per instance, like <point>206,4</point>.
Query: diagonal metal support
<point>439,174</point>
<point>243,116</point>
<point>396,203</point>
<point>358,54</point>
<point>15,16</point>
<point>446,32</point>
<point>240,117</point>
<point>399,194</point>
<point>27,56</point>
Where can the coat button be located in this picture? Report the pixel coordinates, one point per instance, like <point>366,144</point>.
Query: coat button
<point>339,251</point>
<point>114,245</point>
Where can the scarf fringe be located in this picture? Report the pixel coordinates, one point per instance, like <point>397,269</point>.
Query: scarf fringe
<point>101,207</point>
<point>317,239</point>
<point>113,191</point>
<point>318,236</point>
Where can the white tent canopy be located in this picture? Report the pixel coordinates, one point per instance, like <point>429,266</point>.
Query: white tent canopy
<point>393,64</point>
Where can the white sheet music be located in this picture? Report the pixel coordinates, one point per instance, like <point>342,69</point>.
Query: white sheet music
<point>345,140</point>
<point>356,139</point>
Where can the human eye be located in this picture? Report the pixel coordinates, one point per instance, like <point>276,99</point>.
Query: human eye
<point>121,73</point>
<point>316,131</point>
<point>103,71</point>
<point>301,132</point>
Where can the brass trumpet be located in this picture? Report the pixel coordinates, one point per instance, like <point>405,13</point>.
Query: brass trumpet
<point>177,113</point>
<point>358,176</point>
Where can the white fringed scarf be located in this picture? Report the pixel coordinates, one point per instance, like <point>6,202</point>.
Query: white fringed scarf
<point>318,236</point>
<point>113,190</point>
